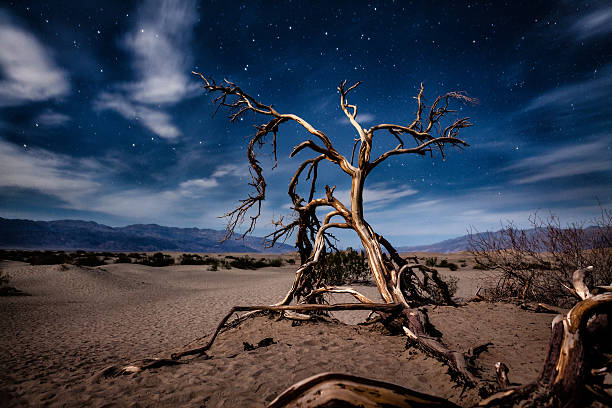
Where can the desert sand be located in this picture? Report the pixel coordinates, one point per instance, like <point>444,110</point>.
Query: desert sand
<point>80,320</point>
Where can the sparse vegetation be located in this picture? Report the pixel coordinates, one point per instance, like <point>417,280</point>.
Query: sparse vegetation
<point>89,260</point>
<point>246,262</point>
<point>343,267</point>
<point>538,264</point>
<point>158,259</point>
<point>123,258</point>
<point>433,262</point>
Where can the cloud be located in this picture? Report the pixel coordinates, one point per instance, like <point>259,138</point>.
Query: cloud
<point>58,175</point>
<point>597,23</point>
<point>362,118</point>
<point>377,195</point>
<point>29,73</point>
<point>155,120</point>
<point>584,93</point>
<point>194,186</point>
<point>52,118</point>
<point>82,184</point>
<point>158,44</point>
<point>159,47</point>
<point>566,161</point>
<point>433,219</point>
<point>202,183</point>
<point>230,170</point>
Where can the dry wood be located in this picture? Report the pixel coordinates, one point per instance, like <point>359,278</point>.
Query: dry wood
<point>343,390</point>
<point>383,307</point>
<point>426,131</point>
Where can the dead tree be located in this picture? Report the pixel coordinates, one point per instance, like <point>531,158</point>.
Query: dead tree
<point>398,280</point>
<point>402,282</point>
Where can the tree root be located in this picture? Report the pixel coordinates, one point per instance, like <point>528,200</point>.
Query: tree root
<point>416,328</point>
<point>381,307</point>
<point>147,364</point>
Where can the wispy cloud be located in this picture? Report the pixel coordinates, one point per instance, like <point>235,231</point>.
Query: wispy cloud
<point>423,219</point>
<point>377,195</point>
<point>29,72</point>
<point>202,183</point>
<point>54,174</point>
<point>597,23</point>
<point>159,46</point>
<point>362,118</point>
<point>156,120</point>
<point>52,118</point>
<point>589,91</point>
<point>567,161</point>
<point>82,184</point>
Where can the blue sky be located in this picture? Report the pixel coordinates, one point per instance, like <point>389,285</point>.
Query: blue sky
<point>101,119</point>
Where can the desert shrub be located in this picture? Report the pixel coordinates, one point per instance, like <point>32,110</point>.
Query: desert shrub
<point>433,262</point>
<point>246,262</point>
<point>47,258</point>
<point>157,259</point>
<point>343,267</point>
<point>88,260</point>
<point>136,255</point>
<point>275,263</point>
<point>191,259</point>
<point>463,265</point>
<point>538,264</point>
<point>291,261</point>
<point>123,258</point>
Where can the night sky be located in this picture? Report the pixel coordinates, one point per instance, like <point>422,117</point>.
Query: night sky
<point>101,118</point>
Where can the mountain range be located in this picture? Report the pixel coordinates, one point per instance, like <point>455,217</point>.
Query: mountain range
<point>91,236</point>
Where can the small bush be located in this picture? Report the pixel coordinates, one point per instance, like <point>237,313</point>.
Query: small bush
<point>246,262</point>
<point>48,258</point>
<point>191,259</point>
<point>123,258</point>
<point>431,261</point>
<point>157,260</point>
<point>343,267</point>
<point>88,260</point>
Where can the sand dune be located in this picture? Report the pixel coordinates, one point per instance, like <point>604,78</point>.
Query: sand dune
<point>78,321</point>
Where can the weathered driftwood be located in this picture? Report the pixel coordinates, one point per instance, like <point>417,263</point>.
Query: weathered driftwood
<point>343,390</point>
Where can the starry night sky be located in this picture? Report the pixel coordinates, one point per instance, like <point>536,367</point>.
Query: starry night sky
<point>101,118</point>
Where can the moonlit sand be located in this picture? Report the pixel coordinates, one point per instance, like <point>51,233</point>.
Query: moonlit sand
<point>78,321</point>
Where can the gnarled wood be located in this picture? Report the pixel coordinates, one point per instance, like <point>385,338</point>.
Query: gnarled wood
<point>343,390</point>
<point>383,307</point>
<point>426,132</point>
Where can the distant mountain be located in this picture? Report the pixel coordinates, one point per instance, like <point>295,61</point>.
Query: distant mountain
<point>462,243</point>
<point>443,247</point>
<point>89,235</point>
